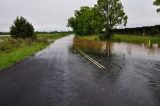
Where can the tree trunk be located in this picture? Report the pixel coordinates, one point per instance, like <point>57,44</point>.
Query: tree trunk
<point>108,33</point>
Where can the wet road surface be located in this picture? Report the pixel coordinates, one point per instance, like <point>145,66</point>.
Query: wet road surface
<point>58,77</point>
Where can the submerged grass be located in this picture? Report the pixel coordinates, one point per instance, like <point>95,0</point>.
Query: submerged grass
<point>14,50</point>
<point>127,38</point>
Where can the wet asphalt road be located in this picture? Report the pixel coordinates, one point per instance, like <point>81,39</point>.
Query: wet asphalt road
<point>58,77</point>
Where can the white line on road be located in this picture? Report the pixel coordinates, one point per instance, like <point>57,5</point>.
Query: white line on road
<point>91,60</point>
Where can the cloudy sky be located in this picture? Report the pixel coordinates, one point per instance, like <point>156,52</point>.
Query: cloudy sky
<point>49,15</point>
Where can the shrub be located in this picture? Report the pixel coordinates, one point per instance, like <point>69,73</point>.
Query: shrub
<point>22,29</point>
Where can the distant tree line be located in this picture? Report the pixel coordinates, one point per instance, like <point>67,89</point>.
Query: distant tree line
<point>4,33</point>
<point>52,32</point>
<point>21,28</point>
<point>142,31</point>
<point>44,32</point>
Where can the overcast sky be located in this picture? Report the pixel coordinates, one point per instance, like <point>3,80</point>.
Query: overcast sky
<point>49,15</point>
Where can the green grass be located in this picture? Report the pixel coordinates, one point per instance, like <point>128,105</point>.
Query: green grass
<point>4,37</point>
<point>93,37</point>
<point>7,59</point>
<point>136,39</point>
<point>13,51</point>
<point>127,38</point>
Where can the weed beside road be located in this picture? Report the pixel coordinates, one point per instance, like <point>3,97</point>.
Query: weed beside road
<point>14,50</point>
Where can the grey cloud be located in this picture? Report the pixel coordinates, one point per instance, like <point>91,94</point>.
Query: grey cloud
<point>48,15</point>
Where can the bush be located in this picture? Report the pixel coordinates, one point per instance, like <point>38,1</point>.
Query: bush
<point>22,29</point>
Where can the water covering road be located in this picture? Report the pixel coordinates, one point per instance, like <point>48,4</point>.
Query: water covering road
<point>57,76</point>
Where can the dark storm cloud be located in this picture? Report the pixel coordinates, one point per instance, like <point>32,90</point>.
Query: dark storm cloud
<point>48,15</point>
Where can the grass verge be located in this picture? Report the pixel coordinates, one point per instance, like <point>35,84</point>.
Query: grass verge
<point>13,51</point>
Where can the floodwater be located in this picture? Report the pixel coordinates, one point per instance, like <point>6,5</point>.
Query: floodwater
<point>57,76</point>
<point>128,50</point>
<point>134,68</point>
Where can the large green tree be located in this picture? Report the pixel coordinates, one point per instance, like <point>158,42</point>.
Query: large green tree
<point>97,20</point>
<point>114,15</point>
<point>81,22</point>
<point>22,29</point>
<point>107,14</point>
<point>87,21</point>
<point>157,3</point>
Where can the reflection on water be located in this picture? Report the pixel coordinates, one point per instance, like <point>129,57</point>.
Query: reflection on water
<point>108,48</point>
<point>94,47</point>
<point>129,70</point>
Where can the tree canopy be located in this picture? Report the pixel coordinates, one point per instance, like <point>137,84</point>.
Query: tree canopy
<point>114,15</point>
<point>105,15</point>
<point>81,23</point>
<point>157,3</point>
<point>21,28</point>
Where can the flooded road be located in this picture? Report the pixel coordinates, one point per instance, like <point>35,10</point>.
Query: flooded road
<point>58,76</point>
<point>129,50</point>
<point>134,68</point>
